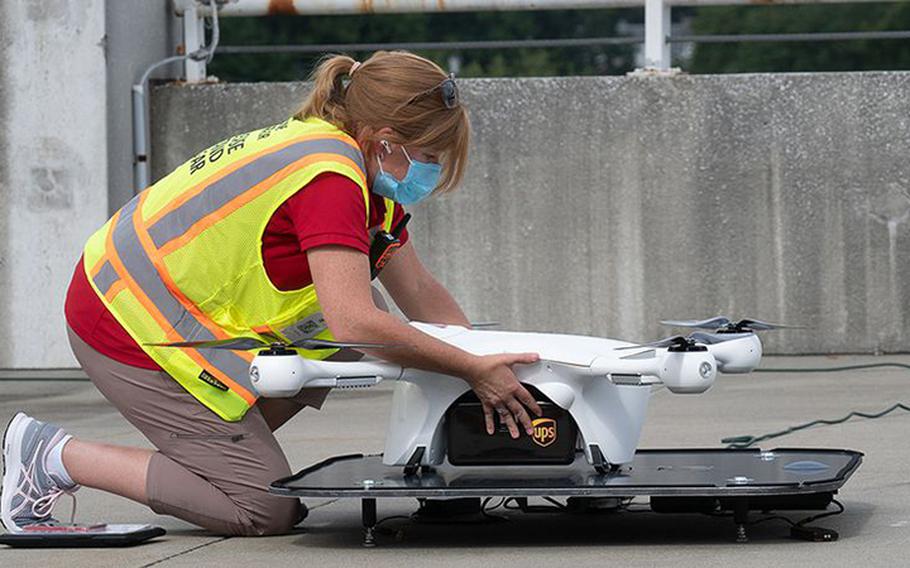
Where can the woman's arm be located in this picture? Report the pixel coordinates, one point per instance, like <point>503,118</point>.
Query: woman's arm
<point>419,295</point>
<point>342,279</point>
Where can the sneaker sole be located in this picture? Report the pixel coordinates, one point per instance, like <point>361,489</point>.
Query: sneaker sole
<point>12,465</point>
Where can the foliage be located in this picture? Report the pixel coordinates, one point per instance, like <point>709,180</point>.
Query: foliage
<point>401,28</point>
<point>854,55</point>
<point>605,60</point>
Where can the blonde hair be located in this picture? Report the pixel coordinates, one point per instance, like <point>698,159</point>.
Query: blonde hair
<point>393,89</point>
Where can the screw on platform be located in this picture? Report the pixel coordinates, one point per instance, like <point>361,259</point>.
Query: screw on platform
<point>369,540</point>
<point>741,535</point>
<point>741,517</point>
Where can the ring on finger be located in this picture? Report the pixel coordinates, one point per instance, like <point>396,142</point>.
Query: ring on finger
<point>503,411</point>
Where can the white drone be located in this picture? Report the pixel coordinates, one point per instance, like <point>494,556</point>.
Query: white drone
<point>604,384</point>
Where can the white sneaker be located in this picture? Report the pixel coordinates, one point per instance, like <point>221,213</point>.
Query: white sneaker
<point>29,492</point>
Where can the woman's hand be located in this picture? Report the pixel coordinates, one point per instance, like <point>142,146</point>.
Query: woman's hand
<point>498,389</point>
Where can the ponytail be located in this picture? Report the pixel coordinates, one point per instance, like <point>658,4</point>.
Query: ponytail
<point>326,100</point>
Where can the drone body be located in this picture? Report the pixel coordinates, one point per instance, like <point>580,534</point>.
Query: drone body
<point>604,384</point>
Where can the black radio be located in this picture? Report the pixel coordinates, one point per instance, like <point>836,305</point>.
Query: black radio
<point>553,441</point>
<point>385,245</point>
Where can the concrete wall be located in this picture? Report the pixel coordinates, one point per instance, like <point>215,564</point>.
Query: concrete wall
<point>66,69</point>
<point>5,94</point>
<point>139,33</point>
<point>53,167</point>
<point>601,205</point>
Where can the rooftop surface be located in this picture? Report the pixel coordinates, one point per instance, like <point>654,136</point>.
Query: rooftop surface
<point>874,530</point>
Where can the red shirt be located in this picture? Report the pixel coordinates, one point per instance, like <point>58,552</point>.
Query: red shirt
<point>327,211</point>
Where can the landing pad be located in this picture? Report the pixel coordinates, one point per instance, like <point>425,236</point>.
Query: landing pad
<point>709,472</point>
<point>677,481</point>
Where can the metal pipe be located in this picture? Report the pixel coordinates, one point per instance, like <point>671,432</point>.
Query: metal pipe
<point>241,8</point>
<point>429,45</point>
<point>237,8</point>
<point>657,28</point>
<point>560,42</point>
<point>194,40</point>
<point>141,122</point>
<point>810,36</point>
<point>203,55</point>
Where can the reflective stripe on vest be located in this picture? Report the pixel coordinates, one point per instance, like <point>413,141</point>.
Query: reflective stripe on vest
<point>182,260</point>
<point>389,214</point>
<point>178,221</point>
<point>106,277</point>
<point>176,321</point>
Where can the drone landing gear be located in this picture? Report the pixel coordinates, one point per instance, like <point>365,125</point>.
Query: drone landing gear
<point>601,465</point>
<point>413,464</point>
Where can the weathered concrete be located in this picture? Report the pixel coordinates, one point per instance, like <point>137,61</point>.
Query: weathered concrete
<point>55,167</point>
<point>601,205</point>
<point>5,276</point>
<point>874,530</point>
<point>138,33</point>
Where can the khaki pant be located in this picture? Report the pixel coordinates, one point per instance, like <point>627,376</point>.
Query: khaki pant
<point>209,472</point>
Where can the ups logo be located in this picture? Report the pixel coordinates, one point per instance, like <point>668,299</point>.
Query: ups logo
<point>544,431</point>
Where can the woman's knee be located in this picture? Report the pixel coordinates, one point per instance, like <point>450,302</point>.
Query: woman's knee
<point>271,516</point>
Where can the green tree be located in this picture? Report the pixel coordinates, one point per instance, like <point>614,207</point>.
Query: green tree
<point>854,55</point>
<point>398,28</point>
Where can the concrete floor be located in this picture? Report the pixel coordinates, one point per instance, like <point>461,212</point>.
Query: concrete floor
<point>874,531</point>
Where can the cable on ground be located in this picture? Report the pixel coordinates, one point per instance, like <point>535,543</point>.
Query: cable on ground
<point>739,442</point>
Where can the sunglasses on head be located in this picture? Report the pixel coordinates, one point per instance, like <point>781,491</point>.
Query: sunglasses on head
<point>447,89</point>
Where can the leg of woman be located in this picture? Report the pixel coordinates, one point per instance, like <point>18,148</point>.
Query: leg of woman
<point>115,469</point>
<point>207,471</point>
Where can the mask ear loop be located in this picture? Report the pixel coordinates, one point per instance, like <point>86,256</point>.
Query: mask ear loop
<point>388,148</point>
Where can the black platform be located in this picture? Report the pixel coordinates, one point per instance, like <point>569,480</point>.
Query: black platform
<point>101,536</point>
<point>790,478</point>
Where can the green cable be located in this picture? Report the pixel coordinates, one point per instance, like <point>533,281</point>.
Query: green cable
<point>739,442</point>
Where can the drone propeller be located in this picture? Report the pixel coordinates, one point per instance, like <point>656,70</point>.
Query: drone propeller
<point>247,343</point>
<point>721,324</point>
<point>677,341</point>
<point>314,344</point>
<point>680,343</point>
<point>238,344</point>
<point>715,338</point>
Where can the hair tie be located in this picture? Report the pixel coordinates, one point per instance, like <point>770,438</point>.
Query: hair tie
<point>354,67</point>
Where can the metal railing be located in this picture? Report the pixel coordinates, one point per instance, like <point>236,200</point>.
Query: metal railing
<point>657,38</point>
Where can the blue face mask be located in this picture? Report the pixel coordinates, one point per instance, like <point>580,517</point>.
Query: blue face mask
<point>418,183</point>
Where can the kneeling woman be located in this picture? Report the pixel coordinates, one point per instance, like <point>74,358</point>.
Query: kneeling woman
<point>264,235</point>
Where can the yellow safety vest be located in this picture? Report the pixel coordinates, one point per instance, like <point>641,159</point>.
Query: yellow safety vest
<point>182,261</point>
